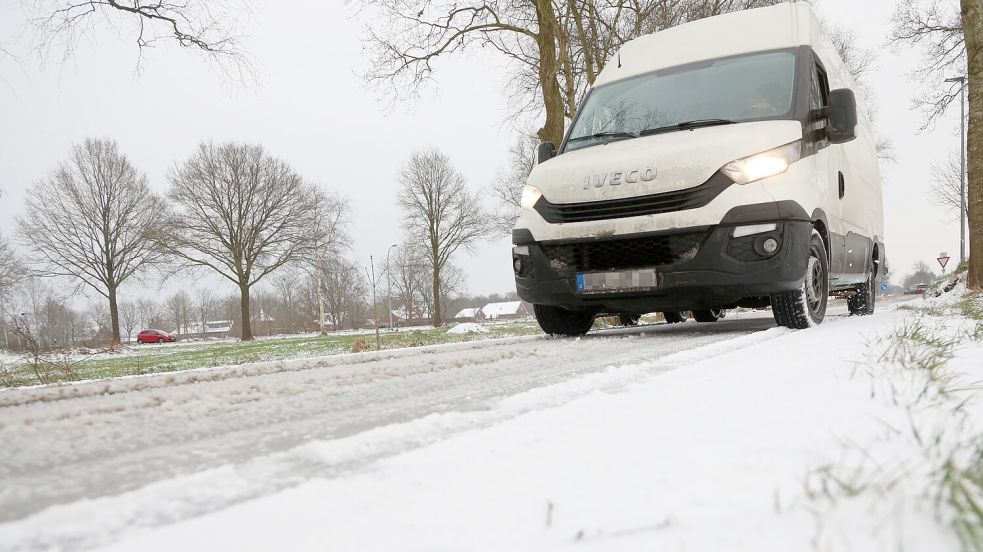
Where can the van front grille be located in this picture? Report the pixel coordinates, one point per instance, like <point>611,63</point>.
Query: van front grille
<point>654,204</point>
<point>621,254</point>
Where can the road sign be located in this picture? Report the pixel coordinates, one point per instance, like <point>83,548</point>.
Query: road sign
<point>943,260</point>
<point>883,287</point>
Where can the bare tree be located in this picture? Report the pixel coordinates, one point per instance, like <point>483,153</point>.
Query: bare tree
<point>950,35</point>
<point>410,279</point>
<point>921,274</point>
<point>179,307</point>
<point>331,239</point>
<point>507,187</point>
<point>92,221</point>
<point>10,270</point>
<point>343,289</point>
<point>129,317</point>
<point>100,321</point>
<point>204,307</point>
<point>149,313</point>
<point>947,185</point>
<point>858,63</point>
<point>555,48</point>
<point>209,27</point>
<point>287,285</point>
<point>439,211</point>
<point>936,27</point>
<point>243,214</point>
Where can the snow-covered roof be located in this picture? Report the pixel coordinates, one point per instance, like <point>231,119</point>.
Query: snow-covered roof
<point>400,312</point>
<point>468,313</point>
<point>785,25</point>
<point>494,310</point>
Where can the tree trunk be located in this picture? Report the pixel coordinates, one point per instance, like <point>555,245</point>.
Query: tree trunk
<point>436,298</point>
<point>548,64</point>
<point>973,31</point>
<point>113,315</point>
<point>247,331</point>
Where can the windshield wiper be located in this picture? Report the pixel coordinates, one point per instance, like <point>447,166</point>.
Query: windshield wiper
<point>686,125</point>
<point>620,134</point>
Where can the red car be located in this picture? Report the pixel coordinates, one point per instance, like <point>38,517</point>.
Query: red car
<point>155,336</point>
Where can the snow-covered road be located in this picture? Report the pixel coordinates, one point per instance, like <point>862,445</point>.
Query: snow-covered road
<point>206,439</point>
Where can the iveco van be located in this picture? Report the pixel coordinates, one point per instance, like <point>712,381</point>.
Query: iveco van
<point>726,162</point>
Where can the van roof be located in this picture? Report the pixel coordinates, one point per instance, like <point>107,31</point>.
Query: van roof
<point>785,25</point>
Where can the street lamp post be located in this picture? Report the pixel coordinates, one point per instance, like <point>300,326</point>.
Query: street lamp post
<point>962,165</point>
<point>375,306</point>
<point>389,281</point>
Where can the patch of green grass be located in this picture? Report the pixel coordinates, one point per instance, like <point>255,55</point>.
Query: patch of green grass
<point>972,307</point>
<point>961,487</point>
<point>150,359</point>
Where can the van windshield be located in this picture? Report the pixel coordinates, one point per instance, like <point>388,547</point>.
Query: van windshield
<point>743,88</point>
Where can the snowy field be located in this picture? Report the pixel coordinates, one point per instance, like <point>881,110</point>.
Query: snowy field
<point>729,436</point>
<point>134,359</point>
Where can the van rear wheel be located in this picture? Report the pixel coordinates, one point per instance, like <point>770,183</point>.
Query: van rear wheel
<point>709,315</point>
<point>676,317</point>
<point>806,306</point>
<point>560,321</point>
<point>629,319</point>
<point>862,304</point>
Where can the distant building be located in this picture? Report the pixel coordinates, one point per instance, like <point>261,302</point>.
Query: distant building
<point>510,310</point>
<point>470,315</point>
<point>212,328</point>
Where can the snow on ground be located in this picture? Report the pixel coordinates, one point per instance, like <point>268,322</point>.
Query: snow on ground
<point>708,447</point>
<point>468,327</point>
<point>710,457</point>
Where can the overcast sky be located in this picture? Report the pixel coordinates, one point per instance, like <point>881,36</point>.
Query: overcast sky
<point>311,109</point>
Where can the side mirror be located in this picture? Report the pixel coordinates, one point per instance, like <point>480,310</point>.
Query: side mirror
<point>841,116</point>
<point>546,151</point>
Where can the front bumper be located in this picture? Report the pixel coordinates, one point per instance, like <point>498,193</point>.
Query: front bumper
<point>720,271</point>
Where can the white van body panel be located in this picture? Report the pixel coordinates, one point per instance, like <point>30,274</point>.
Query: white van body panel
<point>687,158</point>
<point>643,207</point>
<point>681,160</point>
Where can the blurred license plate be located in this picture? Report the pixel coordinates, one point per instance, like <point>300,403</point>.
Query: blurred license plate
<point>621,281</point>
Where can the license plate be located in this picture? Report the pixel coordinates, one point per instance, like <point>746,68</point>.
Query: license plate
<point>619,281</point>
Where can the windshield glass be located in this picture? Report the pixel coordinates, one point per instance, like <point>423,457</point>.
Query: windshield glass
<point>743,88</point>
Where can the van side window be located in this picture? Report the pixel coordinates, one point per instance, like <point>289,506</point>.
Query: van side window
<point>819,89</point>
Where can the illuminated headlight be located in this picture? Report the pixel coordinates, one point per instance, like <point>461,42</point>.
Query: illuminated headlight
<point>763,165</point>
<point>530,195</point>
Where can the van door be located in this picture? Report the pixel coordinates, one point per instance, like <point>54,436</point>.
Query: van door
<point>828,159</point>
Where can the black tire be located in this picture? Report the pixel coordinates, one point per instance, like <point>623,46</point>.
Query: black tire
<point>560,321</point>
<point>806,307</point>
<point>629,319</point>
<point>676,317</point>
<point>862,304</point>
<point>709,315</point>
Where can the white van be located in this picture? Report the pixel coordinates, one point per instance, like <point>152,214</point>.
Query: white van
<point>723,163</point>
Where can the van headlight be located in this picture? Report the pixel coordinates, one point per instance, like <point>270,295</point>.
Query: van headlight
<point>530,195</point>
<point>763,165</point>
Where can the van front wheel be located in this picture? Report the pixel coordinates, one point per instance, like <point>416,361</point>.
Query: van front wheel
<point>560,321</point>
<point>806,306</point>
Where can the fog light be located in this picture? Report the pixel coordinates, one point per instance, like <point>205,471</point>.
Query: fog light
<point>770,245</point>
<point>517,265</point>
